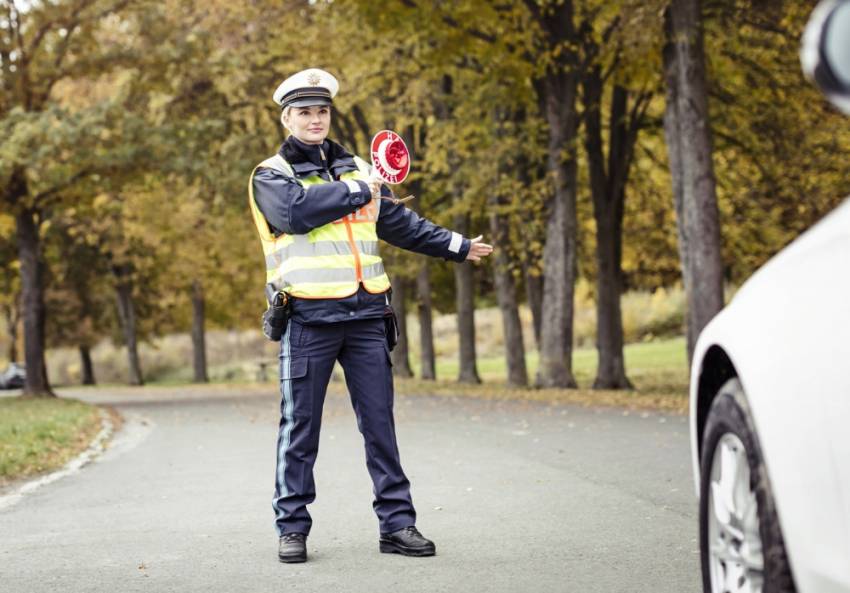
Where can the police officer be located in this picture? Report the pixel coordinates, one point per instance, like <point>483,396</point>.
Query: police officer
<point>319,215</point>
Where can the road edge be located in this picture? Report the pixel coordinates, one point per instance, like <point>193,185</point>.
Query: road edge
<point>95,448</point>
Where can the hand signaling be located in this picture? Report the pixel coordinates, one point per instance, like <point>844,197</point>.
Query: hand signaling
<point>478,249</point>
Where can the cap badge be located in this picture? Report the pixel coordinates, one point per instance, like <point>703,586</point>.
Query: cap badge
<point>313,79</point>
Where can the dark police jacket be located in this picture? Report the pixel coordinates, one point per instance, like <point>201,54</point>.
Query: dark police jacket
<point>290,208</point>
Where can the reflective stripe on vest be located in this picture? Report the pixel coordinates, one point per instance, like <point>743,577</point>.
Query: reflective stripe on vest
<point>330,261</point>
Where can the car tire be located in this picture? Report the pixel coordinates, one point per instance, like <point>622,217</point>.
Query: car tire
<point>729,418</point>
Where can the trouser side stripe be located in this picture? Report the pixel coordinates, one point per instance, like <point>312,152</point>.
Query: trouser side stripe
<point>283,443</point>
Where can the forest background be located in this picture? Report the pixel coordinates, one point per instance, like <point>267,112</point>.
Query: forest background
<point>128,131</point>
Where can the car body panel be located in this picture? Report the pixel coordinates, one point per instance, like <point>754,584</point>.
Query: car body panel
<point>786,333</point>
<point>13,377</point>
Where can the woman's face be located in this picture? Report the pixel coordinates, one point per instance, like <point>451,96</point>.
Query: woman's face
<point>309,124</point>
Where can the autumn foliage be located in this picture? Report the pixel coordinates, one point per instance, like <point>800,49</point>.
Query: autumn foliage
<point>128,131</point>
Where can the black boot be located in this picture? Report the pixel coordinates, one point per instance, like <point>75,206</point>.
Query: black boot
<point>407,541</point>
<point>293,547</point>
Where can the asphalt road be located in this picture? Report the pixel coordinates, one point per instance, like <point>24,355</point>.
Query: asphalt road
<point>517,497</point>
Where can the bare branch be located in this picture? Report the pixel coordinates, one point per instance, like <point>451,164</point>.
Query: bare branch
<point>638,111</point>
<point>610,28</point>
<point>43,196</point>
<point>478,34</point>
<point>48,25</point>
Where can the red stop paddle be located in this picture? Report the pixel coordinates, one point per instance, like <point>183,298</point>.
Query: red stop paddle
<point>390,159</point>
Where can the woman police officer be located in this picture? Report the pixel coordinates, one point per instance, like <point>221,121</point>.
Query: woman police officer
<point>319,216</point>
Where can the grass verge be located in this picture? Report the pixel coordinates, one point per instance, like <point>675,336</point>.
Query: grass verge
<point>657,369</point>
<point>41,434</point>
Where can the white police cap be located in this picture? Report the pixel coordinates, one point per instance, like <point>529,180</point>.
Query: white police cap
<point>308,87</point>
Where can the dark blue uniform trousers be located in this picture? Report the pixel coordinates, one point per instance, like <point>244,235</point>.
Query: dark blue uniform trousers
<point>307,357</point>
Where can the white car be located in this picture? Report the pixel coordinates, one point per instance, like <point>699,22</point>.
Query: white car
<point>13,377</point>
<point>770,396</point>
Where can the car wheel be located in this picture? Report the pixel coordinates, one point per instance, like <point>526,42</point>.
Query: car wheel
<point>741,541</point>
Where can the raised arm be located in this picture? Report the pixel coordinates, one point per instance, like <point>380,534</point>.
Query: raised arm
<point>291,208</point>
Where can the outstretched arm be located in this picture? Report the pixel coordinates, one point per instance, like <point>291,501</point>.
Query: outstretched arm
<point>404,228</point>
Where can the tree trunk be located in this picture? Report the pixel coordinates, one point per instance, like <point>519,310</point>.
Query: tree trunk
<point>674,156</point>
<point>534,296</point>
<point>127,317</point>
<point>559,252</point>
<point>465,304</point>
<point>529,172</point>
<point>505,286</point>
<point>401,352</point>
<point>32,300</point>
<point>608,193</point>
<point>199,344</point>
<point>426,331</point>
<point>556,94</point>
<point>687,131</point>
<point>86,365</point>
<point>611,371</point>
<point>12,313</point>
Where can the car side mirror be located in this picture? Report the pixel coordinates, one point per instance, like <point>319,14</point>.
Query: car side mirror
<point>825,53</point>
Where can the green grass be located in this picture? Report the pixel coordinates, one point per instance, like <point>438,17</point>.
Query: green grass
<point>657,369</point>
<point>41,434</point>
<point>650,363</point>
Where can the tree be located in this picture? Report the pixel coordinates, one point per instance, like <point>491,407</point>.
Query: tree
<point>448,161</point>
<point>607,65</point>
<point>779,148</point>
<point>505,284</point>
<point>687,130</point>
<point>39,47</point>
<point>10,290</point>
<point>556,86</point>
<point>78,296</point>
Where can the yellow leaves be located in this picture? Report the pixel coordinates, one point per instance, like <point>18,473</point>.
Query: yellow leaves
<point>194,91</point>
<point>7,226</point>
<point>101,201</point>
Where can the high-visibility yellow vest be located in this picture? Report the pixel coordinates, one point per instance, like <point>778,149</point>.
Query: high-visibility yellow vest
<point>331,261</point>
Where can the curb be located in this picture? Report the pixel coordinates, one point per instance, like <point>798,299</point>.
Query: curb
<point>96,447</point>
